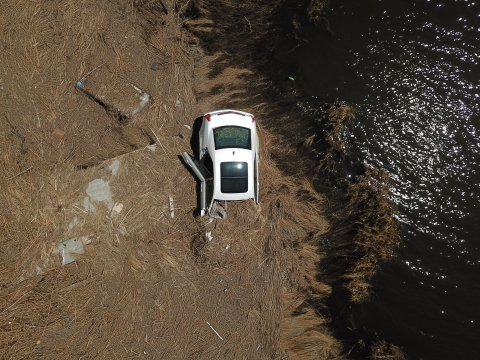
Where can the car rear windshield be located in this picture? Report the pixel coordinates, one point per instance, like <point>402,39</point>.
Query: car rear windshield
<point>232,137</point>
<point>233,177</point>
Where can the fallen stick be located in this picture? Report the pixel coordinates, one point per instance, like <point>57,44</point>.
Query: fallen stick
<point>215,331</point>
<point>159,143</point>
<point>20,173</point>
<point>121,222</point>
<point>26,294</point>
<point>76,207</point>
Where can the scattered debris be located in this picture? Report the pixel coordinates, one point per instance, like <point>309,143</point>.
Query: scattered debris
<point>86,240</point>
<point>215,331</point>
<point>218,211</point>
<point>188,127</point>
<point>73,223</point>
<point>118,207</point>
<point>58,134</point>
<point>122,229</point>
<point>38,270</point>
<point>144,97</point>
<point>114,166</point>
<point>208,235</point>
<point>154,66</point>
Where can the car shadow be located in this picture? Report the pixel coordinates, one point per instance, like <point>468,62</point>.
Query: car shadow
<point>197,184</point>
<point>194,140</point>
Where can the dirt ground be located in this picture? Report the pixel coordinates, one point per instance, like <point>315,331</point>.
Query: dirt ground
<point>149,284</point>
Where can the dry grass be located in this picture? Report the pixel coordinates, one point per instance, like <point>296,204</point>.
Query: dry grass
<point>292,219</point>
<point>316,9</point>
<point>142,288</point>
<point>383,350</point>
<point>149,283</point>
<point>364,232</point>
<point>377,235</point>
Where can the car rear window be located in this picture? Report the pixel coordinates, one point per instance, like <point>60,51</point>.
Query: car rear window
<point>233,177</point>
<point>232,137</point>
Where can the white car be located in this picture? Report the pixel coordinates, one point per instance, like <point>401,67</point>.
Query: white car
<point>228,164</point>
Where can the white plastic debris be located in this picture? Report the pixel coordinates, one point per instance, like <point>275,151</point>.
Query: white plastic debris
<point>215,331</point>
<point>208,236</point>
<point>144,97</point>
<point>170,204</point>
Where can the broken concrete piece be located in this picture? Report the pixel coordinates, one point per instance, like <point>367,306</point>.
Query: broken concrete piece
<point>114,166</point>
<point>69,250</point>
<point>118,207</point>
<point>99,191</point>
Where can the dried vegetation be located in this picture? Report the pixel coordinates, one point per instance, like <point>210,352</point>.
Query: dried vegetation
<point>149,284</point>
<point>364,232</point>
<point>381,350</point>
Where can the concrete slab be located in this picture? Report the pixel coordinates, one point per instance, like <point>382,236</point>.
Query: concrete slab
<point>99,191</point>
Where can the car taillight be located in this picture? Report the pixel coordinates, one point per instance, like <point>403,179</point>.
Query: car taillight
<point>207,116</point>
<point>253,118</point>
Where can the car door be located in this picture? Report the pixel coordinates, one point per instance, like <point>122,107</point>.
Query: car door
<point>255,180</point>
<point>206,182</point>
